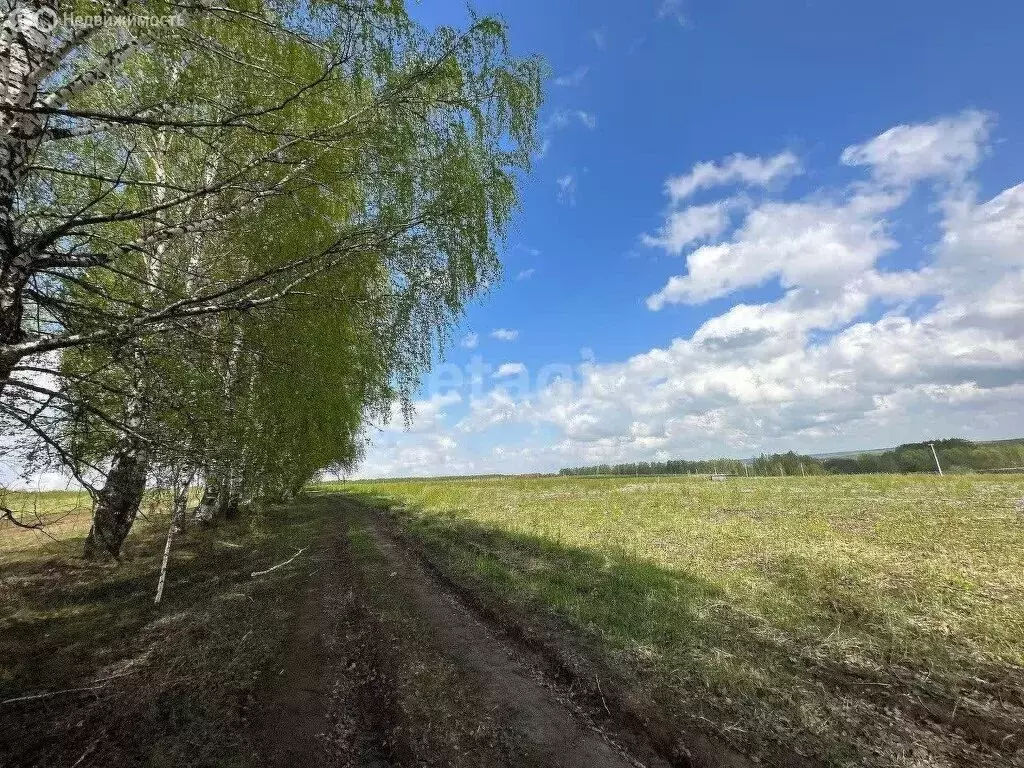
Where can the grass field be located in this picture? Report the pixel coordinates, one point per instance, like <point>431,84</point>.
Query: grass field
<point>872,620</point>
<point>65,516</point>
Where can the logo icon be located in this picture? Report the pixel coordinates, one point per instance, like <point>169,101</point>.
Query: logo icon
<point>46,19</point>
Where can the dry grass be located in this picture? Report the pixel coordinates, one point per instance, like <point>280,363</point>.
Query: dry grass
<point>861,620</point>
<point>162,685</point>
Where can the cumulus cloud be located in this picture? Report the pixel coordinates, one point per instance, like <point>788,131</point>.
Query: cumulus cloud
<point>525,274</point>
<point>737,169</point>
<point>817,245</point>
<point>820,244</point>
<point>470,340</point>
<point>690,225</point>
<point>509,369</point>
<point>850,353</point>
<point>504,334</point>
<point>417,455</point>
<point>426,415</point>
<point>947,148</point>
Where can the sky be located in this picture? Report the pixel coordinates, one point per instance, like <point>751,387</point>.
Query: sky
<point>750,226</point>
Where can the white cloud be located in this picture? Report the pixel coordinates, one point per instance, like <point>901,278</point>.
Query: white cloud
<point>599,38</point>
<point>849,355</point>
<point>818,245</point>
<point>948,148</point>
<point>504,334</point>
<point>574,78</point>
<point>566,188</point>
<point>563,118</point>
<point>822,243</point>
<point>739,168</point>
<point>559,120</point>
<point>673,9</point>
<point>417,455</point>
<point>495,408</point>
<point>526,274</point>
<point>509,369</point>
<point>427,414</point>
<point>470,340</point>
<point>13,477</point>
<point>689,225</point>
<point>765,374</point>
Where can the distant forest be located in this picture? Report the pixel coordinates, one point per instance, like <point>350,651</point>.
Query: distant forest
<point>955,456</point>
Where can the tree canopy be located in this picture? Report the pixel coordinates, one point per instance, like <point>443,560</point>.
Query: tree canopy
<point>227,241</point>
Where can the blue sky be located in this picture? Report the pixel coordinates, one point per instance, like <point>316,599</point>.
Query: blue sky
<point>753,226</point>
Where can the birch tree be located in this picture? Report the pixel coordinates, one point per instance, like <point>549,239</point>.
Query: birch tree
<point>392,110</point>
<point>151,173</point>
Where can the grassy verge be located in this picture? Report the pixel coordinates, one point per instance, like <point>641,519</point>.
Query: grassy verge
<point>860,620</point>
<point>399,688</point>
<point>119,681</point>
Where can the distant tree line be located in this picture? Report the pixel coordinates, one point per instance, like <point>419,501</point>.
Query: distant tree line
<point>672,467</point>
<point>954,454</point>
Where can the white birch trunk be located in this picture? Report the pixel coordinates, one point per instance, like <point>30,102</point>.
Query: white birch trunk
<point>178,505</point>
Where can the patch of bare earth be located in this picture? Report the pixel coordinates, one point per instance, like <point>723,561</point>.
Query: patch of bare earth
<point>612,700</point>
<point>387,667</point>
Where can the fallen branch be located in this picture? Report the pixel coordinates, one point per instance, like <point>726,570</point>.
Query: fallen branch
<point>598,681</point>
<point>98,683</point>
<point>279,565</point>
<point>88,750</point>
<point>167,557</point>
<point>50,693</point>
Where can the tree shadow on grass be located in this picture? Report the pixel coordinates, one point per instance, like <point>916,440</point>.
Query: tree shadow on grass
<point>762,685</point>
<point>164,684</point>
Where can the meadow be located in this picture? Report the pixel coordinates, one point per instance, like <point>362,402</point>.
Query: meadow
<point>868,620</point>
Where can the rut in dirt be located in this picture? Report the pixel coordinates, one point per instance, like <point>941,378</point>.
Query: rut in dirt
<point>386,667</point>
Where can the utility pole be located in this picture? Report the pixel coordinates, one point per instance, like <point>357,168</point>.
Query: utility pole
<point>937,465</point>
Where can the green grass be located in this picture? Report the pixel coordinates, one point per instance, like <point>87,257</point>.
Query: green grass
<point>863,620</point>
<point>172,684</point>
<point>64,514</point>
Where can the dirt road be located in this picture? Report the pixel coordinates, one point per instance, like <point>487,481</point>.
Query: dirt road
<point>386,667</point>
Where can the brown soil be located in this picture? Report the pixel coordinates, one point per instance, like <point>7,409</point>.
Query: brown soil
<point>387,667</point>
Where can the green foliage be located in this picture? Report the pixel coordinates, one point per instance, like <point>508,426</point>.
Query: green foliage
<point>955,455</point>
<point>357,169</point>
